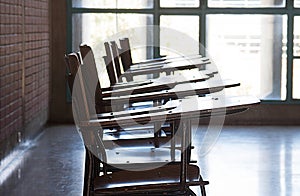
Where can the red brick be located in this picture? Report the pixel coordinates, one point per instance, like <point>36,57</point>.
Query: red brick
<point>12,2</point>
<point>36,53</point>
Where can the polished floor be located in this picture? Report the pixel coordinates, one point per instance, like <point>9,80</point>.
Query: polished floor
<point>244,161</point>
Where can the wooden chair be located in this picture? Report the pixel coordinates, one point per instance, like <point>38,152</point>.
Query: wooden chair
<point>169,179</point>
<point>126,58</point>
<point>166,66</point>
<point>109,183</point>
<point>93,180</point>
<point>115,73</point>
<point>173,178</point>
<point>127,62</point>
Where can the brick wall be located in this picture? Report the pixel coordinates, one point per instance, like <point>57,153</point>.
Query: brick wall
<point>24,65</point>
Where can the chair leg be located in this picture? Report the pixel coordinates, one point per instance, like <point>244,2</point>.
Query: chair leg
<point>202,188</point>
<point>87,174</point>
<point>203,192</point>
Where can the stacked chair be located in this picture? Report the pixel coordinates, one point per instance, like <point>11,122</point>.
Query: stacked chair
<point>138,151</point>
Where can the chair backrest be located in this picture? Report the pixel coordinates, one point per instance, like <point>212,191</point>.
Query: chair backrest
<point>125,53</point>
<point>70,73</point>
<point>110,65</point>
<point>80,104</point>
<point>72,62</point>
<point>116,59</point>
<point>89,65</point>
<point>83,107</point>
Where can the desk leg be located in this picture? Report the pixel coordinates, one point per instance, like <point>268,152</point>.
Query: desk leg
<point>173,140</point>
<point>185,129</point>
<point>189,143</point>
<point>157,127</point>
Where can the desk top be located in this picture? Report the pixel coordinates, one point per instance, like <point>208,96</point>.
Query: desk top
<point>179,91</point>
<point>161,83</point>
<point>169,79</point>
<point>168,67</point>
<point>189,108</point>
<point>179,60</point>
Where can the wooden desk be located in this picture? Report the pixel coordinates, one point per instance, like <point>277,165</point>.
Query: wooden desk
<point>148,93</point>
<point>168,67</point>
<point>169,80</point>
<point>183,110</point>
<point>173,61</point>
<point>180,111</point>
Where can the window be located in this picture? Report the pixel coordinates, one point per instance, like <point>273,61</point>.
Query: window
<point>297,3</point>
<point>296,63</point>
<point>297,36</point>
<point>256,42</point>
<point>250,49</point>
<point>178,22</point>
<point>179,3</point>
<point>113,4</point>
<point>246,3</point>
<point>296,79</point>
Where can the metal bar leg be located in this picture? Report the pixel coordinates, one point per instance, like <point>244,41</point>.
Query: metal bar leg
<point>184,129</point>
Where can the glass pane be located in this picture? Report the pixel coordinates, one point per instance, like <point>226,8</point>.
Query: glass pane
<point>95,29</point>
<point>246,3</point>
<point>297,36</point>
<point>179,34</point>
<point>179,3</point>
<point>121,4</point>
<point>252,50</point>
<point>297,3</point>
<point>296,79</point>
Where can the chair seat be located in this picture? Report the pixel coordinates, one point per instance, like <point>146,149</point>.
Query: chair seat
<point>138,142</point>
<point>136,136</point>
<point>130,134</point>
<point>139,131</point>
<point>162,179</point>
<point>132,157</point>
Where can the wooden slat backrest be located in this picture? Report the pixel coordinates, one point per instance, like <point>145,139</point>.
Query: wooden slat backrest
<point>81,108</point>
<point>125,53</point>
<point>84,109</point>
<point>89,61</point>
<point>116,60</point>
<point>109,65</point>
<point>72,61</point>
<point>69,75</point>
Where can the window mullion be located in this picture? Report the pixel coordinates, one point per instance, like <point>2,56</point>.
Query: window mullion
<point>156,33</point>
<point>202,36</point>
<point>69,26</point>
<point>290,28</point>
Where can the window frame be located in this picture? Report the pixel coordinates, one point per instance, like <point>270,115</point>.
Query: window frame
<point>202,11</point>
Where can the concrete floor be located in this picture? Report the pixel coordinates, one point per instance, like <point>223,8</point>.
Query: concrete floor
<point>248,161</point>
<point>52,165</point>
